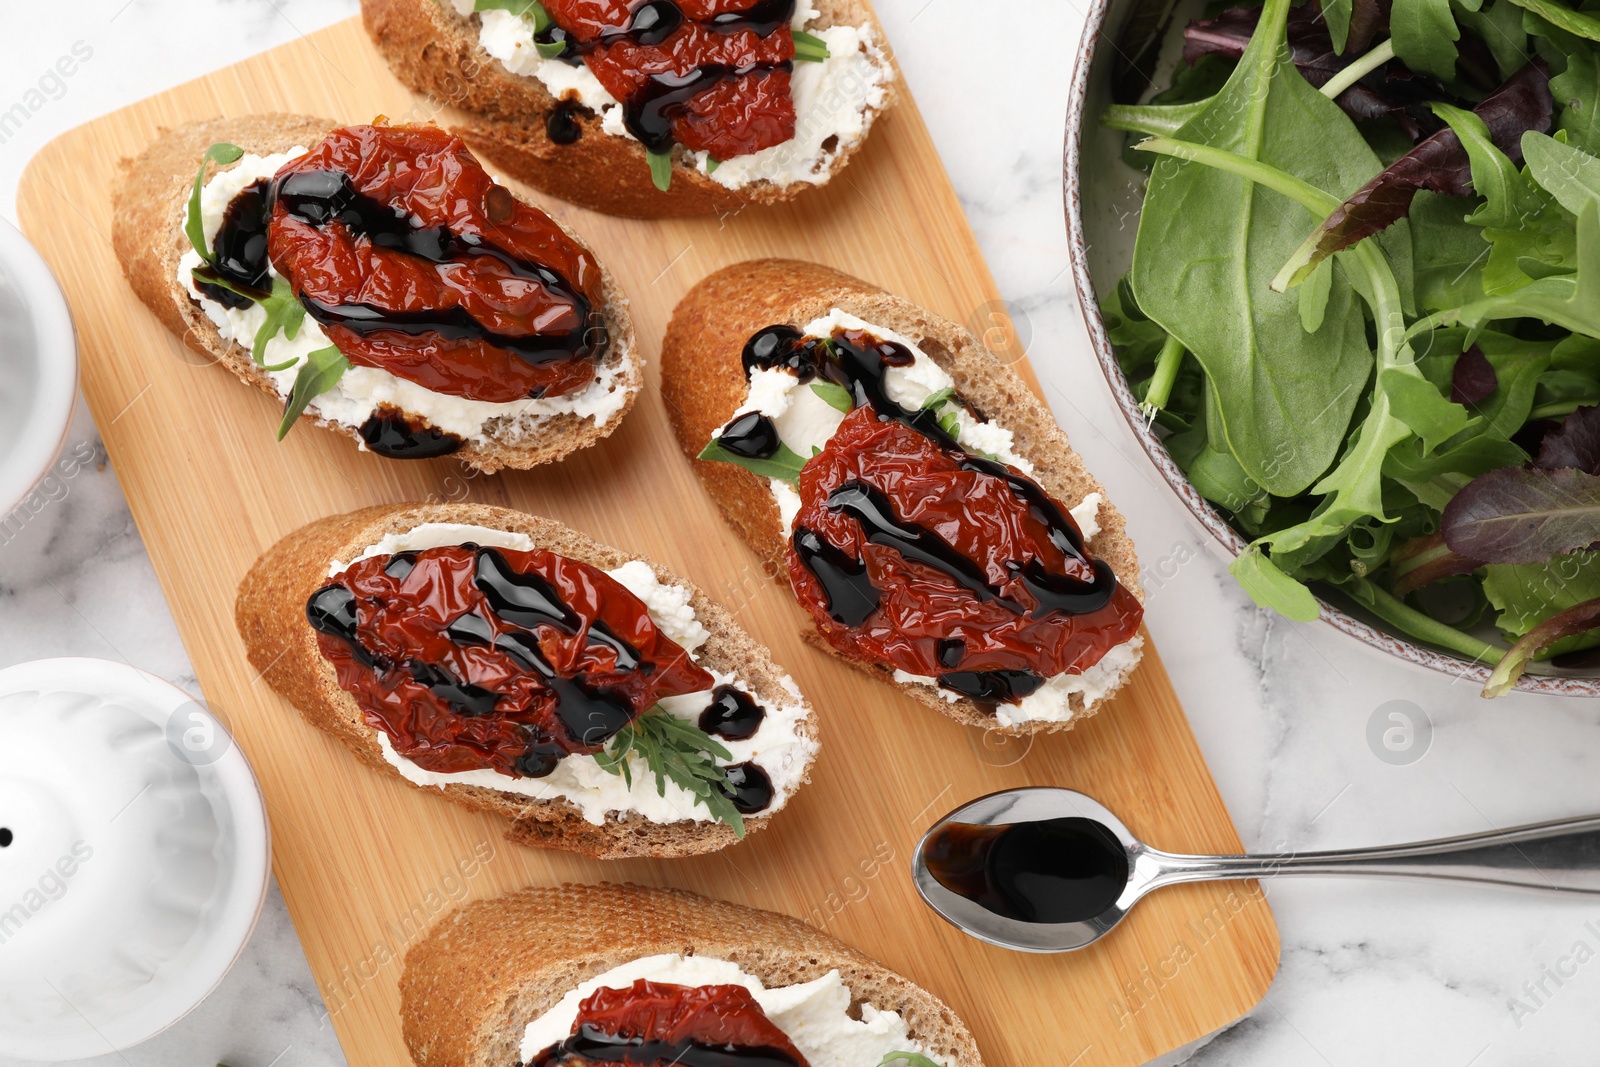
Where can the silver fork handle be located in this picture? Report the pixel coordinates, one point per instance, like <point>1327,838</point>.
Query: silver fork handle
<point>1562,856</point>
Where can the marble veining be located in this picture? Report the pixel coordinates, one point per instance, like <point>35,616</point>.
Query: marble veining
<point>1372,974</point>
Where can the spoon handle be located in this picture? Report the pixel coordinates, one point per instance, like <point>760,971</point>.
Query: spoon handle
<point>1563,855</point>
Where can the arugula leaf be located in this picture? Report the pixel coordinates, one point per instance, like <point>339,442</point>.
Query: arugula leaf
<point>712,165</point>
<point>1269,587</point>
<point>661,169</point>
<point>1572,302</point>
<point>785,465</point>
<point>194,223</point>
<point>1425,36</point>
<point>285,314</point>
<point>672,748</point>
<point>810,49</point>
<point>835,396</point>
<point>521,8</point>
<point>1572,623</point>
<point>910,1059</point>
<point>320,372</point>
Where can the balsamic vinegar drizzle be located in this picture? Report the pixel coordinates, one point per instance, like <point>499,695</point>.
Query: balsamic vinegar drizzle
<point>392,433</point>
<point>593,1045</point>
<point>862,370</point>
<point>562,126</point>
<point>519,604</point>
<point>753,436</point>
<point>852,597</point>
<point>525,601</point>
<point>1054,871</point>
<point>321,197</point>
<point>732,714</point>
<point>875,513</point>
<point>748,787</point>
<point>649,112</point>
<point>239,252</point>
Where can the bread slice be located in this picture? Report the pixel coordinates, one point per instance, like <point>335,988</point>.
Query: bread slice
<point>703,383</point>
<point>271,617</point>
<point>149,206</point>
<point>489,968</point>
<point>434,50</point>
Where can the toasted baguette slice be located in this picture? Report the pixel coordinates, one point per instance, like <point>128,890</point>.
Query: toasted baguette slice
<point>149,207</point>
<point>703,383</point>
<point>489,968</point>
<point>271,617</point>
<point>435,50</point>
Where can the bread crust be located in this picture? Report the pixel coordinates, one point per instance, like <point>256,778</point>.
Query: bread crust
<point>147,235</point>
<point>703,383</point>
<point>270,615</point>
<point>435,51</point>
<point>489,968</point>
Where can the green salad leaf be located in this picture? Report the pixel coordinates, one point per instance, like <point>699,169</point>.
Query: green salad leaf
<point>1286,398</point>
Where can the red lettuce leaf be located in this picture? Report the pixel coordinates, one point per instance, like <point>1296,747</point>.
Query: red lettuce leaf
<point>1423,561</point>
<point>1439,164</point>
<point>1575,445</point>
<point>1473,380</point>
<point>1523,515</point>
<point>1570,623</point>
<point>1390,91</point>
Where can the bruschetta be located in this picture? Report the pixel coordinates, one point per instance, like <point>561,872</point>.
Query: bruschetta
<point>377,281</point>
<point>918,499</point>
<point>512,665</point>
<point>655,977</point>
<point>660,109</point>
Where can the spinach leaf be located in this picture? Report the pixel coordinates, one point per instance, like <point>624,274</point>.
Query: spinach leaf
<point>1449,253</point>
<point>320,372</point>
<point>1425,36</point>
<point>1440,164</point>
<point>1154,120</point>
<point>784,465</point>
<point>1209,243</point>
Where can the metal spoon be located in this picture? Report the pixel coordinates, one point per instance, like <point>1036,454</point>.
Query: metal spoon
<point>1562,856</point>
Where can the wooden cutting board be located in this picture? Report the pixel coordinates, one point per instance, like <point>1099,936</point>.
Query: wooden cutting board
<point>367,863</point>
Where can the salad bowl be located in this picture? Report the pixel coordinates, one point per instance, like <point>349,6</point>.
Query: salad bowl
<point>1129,47</point>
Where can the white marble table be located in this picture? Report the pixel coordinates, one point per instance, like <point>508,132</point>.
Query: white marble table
<point>1372,974</point>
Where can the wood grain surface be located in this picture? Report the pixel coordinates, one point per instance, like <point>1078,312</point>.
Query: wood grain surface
<point>366,864</point>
